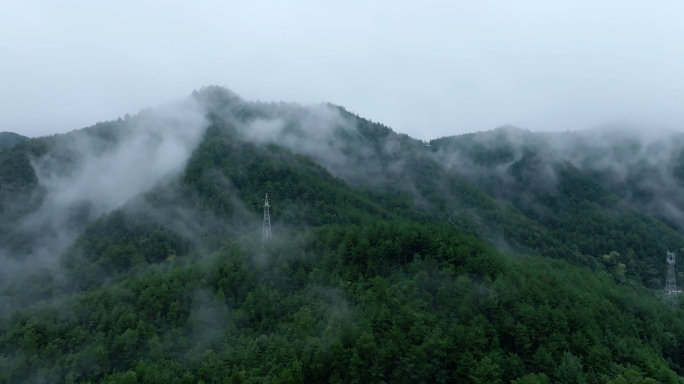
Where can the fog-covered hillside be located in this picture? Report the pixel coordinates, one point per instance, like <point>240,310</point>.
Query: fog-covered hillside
<point>131,251</point>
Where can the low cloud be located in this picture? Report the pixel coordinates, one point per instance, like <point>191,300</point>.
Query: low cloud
<point>90,172</point>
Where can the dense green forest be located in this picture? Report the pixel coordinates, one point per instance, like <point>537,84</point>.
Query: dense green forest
<point>10,139</point>
<point>470,259</point>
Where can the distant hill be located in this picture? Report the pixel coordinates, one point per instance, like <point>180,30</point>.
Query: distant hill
<point>10,139</point>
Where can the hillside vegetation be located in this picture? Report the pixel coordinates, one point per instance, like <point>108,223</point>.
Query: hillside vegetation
<point>474,259</point>
<point>10,139</point>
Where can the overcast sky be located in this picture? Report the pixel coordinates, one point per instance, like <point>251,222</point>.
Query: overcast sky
<point>425,68</point>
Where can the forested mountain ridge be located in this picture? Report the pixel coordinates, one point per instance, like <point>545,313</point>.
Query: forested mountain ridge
<point>642,166</point>
<point>378,271</point>
<point>10,139</point>
<point>598,190</point>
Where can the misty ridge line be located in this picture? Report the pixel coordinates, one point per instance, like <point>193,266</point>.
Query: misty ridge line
<point>376,156</point>
<point>641,166</point>
<point>319,132</point>
<point>331,136</point>
<point>88,174</point>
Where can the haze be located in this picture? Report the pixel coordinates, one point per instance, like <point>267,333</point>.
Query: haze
<point>428,69</point>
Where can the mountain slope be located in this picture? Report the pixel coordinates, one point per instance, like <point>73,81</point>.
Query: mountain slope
<point>379,269</point>
<point>392,169</point>
<point>574,204</point>
<point>10,139</point>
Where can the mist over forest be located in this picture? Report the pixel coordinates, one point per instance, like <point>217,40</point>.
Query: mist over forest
<point>131,251</point>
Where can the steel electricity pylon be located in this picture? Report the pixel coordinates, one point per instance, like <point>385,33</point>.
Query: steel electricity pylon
<point>266,231</point>
<point>671,291</point>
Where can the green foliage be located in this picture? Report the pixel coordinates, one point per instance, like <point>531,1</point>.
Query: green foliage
<point>569,371</point>
<point>581,219</point>
<point>10,139</point>
<point>632,377</point>
<point>416,276</point>
<point>19,194</point>
<point>391,301</point>
<point>532,379</point>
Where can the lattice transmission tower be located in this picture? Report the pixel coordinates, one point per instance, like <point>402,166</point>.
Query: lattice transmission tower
<point>671,291</point>
<point>266,231</point>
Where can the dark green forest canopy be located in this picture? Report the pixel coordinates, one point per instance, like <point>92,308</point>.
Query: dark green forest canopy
<point>10,139</point>
<point>555,180</point>
<point>390,262</point>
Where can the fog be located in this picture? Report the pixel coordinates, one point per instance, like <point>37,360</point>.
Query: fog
<point>88,173</point>
<point>85,176</point>
<point>639,163</point>
<point>317,131</point>
<point>151,145</point>
<point>428,69</point>
<point>357,150</point>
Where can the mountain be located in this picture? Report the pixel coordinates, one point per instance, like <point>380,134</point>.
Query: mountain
<point>10,139</point>
<point>131,252</point>
<point>602,191</point>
